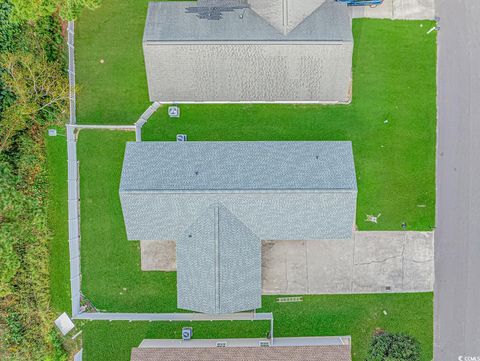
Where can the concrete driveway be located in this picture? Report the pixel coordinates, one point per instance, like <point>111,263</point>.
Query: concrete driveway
<point>398,10</point>
<point>370,262</point>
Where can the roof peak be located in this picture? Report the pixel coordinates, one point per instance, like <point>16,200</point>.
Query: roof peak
<point>186,21</point>
<point>285,15</point>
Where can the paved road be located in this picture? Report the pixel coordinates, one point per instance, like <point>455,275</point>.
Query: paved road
<point>457,248</point>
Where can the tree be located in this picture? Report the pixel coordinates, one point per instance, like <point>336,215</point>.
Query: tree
<point>393,347</point>
<point>35,9</point>
<point>33,95</point>
<point>41,93</point>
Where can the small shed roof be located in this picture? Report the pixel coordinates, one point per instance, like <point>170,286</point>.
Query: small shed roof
<point>219,265</point>
<point>170,22</point>
<point>238,166</point>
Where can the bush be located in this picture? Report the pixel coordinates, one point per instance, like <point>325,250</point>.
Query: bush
<point>68,9</point>
<point>393,347</point>
<point>33,96</point>
<point>9,35</point>
<point>9,32</point>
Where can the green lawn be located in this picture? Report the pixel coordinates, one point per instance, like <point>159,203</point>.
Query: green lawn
<point>111,275</point>
<point>113,341</point>
<point>115,91</point>
<point>57,221</point>
<point>355,315</point>
<point>113,281</point>
<point>391,120</point>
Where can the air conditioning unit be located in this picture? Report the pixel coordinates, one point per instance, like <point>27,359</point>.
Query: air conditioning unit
<point>174,111</point>
<point>221,344</point>
<point>187,333</point>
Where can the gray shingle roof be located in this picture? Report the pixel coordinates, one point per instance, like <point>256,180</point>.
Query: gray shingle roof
<point>218,265</point>
<point>285,15</point>
<point>280,190</point>
<point>238,166</point>
<point>169,22</point>
<point>290,353</point>
<point>235,193</point>
<point>270,215</point>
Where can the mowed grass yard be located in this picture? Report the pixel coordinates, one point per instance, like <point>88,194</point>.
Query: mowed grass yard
<point>391,120</point>
<point>113,281</point>
<point>56,148</point>
<point>355,315</point>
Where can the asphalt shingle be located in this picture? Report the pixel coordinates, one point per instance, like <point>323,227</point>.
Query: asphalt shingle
<point>170,21</point>
<point>238,166</point>
<point>219,265</point>
<point>279,190</point>
<point>291,353</point>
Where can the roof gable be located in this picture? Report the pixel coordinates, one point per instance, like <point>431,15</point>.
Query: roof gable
<point>285,15</point>
<point>176,21</point>
<point>218,264</point>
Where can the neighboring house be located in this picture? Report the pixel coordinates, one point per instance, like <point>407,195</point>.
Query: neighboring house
<point>219,200</point>
<point>283,349</point>
<point>248,51</point>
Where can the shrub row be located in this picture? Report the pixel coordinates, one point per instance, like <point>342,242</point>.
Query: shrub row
<point>33,97</point>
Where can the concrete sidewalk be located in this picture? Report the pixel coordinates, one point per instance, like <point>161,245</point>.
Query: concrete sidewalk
<point>398,10</point>
<point>370,262</point>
